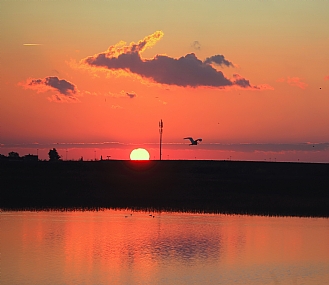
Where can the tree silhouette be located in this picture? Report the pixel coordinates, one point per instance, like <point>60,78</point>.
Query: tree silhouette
<point>53,155</point>
<point>13,154</point>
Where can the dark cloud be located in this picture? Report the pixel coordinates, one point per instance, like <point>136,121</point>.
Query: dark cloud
<point>242,82</point>
<point>196,45</point>
<point>218,59</point>
<point>63,88</point>
<point>185,71</point>
<point>131,95</point>
<point>36,82</point>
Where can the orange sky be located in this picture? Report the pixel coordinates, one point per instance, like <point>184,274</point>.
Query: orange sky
<point>92,78</point>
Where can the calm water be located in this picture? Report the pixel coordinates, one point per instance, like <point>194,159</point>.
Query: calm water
<point>124,247</point>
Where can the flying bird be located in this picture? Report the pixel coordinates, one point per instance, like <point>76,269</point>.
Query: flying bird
<point>193,142</point>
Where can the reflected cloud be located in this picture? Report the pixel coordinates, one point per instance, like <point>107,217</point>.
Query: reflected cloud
<point>186,248</point>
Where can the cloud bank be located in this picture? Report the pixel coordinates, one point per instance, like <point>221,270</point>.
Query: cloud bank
<point>63,89</point>
<point>185,71</point>
<point>268,147</point>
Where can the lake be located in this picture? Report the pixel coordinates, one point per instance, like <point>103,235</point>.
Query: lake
<point>132,247</point>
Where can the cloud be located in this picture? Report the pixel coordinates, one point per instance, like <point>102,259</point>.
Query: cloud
<point>131,95</point>
<point>259,147</point>
<point>219,60</point>
<point>293,81</point>
<point>185,71</point>
<point>63,89</point>
<point>123,94</point>
<point>242,82</point>
<point>269,147</point>
<point>147,42</point>
<point>196,45</point>
<point>296,81</point>
<point>32,44</point>
<point>326,77</point>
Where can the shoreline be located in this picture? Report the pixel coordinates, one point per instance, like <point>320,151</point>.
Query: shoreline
<point>203,186</point>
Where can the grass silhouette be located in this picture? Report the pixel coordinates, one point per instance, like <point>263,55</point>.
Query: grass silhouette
<point>232,187</point>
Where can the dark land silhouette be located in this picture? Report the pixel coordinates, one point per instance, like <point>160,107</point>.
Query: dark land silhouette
<point>232,187</point>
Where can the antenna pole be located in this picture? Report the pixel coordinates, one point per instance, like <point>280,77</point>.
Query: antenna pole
<point>160,131</point>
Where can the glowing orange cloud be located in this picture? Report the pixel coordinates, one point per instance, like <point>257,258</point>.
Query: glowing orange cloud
<point>147,42</point>
<point>123,94</point>
<point>64,91</point>
<point>294,81</point>
<point>32,44</point>
<point>186,71</point>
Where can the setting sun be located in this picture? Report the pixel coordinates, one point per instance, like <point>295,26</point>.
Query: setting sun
<point>139,154</point>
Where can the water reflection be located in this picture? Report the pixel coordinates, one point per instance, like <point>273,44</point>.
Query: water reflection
<point>124,247</point>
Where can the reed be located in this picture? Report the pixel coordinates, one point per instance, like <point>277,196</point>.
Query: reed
<point>229,187</point>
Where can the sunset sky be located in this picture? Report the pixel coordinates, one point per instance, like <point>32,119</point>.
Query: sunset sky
<point>94,78</point>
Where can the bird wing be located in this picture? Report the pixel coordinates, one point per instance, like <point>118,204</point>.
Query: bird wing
<point>189,138</point>
<point>199,140</point>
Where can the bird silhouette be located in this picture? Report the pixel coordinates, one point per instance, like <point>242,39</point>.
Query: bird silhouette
<point>193,142</point>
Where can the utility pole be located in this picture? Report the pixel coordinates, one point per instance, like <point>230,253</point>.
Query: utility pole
<point>160,131</point>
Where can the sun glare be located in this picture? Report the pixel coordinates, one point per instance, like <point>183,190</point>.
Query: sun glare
<point>139,154</point>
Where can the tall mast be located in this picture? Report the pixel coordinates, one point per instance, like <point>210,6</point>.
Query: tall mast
<point>160,131</point>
